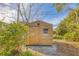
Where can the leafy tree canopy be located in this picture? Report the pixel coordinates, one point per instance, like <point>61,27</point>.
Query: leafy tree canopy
<point>68,28</point>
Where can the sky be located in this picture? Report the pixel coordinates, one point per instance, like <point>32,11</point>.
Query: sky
<point>46,12</point>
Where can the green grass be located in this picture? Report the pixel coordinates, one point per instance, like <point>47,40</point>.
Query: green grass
<point>28,53</point>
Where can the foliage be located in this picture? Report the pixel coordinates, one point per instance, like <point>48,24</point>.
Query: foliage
<point>69,27</point>
<point>59,6</point>
<point>11,36</point>
<point>28,53</point>
<point>57,36</point>
<point>73,36</point>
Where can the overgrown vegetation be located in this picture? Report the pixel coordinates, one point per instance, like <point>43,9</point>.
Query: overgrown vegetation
<point>12,36</point>
<point>68,28</point>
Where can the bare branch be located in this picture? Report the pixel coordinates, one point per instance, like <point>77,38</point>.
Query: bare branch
<point>36,12</point>
<point>30,10</point>
<point>24,12</point>
<point>22,15</point>
<point>18,8</point>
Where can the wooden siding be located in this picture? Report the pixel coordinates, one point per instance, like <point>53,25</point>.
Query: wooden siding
<point>36,36</point>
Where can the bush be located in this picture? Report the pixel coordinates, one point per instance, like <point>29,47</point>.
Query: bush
<point>13,35</point>
<point>57,37</point>
<point>73,36</point>
<point>69,36</point>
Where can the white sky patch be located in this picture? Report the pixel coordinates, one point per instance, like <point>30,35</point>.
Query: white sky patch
<point>7,13</point>
<point>26,7</point>
<point>7,3</point>
<point>10,14</point>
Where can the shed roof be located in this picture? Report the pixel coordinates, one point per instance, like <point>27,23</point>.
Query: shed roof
<point>40,21</point>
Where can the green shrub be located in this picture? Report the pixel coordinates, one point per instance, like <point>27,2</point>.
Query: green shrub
<point>28,53</point>
<point>57,37</point>
<point>13,36</point>
<point>73,36</point>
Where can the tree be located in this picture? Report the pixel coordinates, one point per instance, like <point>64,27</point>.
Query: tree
<point>68,27</point>
<point>60,6</point>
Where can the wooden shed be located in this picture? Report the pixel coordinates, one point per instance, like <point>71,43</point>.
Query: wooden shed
<point>40,33</point>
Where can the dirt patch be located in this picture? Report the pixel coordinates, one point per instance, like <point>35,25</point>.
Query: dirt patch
<point>68,48</point>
